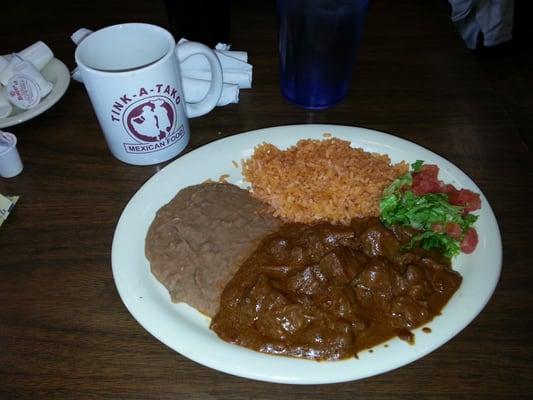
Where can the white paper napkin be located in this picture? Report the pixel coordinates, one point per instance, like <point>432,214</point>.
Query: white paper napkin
<point>196,89</point>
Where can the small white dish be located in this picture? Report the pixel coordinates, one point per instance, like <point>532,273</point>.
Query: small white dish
<point>57,73</point>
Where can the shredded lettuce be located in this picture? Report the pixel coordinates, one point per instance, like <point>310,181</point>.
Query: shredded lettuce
<point>400,206</point>
<point>394,187</point>
<point>417,165</point>
<point>441,242</point>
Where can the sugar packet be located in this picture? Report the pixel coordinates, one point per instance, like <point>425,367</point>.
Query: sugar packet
<point>6,206</point>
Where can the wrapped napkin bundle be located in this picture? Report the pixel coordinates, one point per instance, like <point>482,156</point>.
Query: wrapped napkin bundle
<point>196,76</point>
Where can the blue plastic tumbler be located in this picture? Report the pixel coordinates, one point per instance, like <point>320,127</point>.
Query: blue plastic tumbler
<point>318,42</point>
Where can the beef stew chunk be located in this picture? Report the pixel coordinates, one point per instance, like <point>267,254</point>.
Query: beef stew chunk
<point>326,292</point>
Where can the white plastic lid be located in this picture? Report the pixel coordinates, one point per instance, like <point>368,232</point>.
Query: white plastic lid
<point>23,92</point>
<point>26,68</point>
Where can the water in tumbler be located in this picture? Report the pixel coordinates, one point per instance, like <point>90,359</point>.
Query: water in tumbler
<point>317,46</point>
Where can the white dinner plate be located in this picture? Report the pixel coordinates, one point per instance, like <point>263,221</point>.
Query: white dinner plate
<point>57,73</point>
<point>186,331</point>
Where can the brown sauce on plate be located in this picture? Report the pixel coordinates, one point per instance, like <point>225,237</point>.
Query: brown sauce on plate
<point>326,292</point>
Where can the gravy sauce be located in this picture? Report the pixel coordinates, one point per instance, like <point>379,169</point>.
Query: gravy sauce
<point>326,292</point>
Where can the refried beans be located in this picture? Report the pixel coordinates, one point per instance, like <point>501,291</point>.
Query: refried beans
<point>199,239</point>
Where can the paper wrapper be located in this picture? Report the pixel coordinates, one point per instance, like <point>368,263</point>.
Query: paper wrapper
<point>6,205</point>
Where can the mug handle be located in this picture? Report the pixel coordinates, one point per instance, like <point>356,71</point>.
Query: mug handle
<point>184,51</point>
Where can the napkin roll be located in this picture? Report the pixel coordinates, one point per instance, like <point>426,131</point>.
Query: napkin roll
<point>235,68</point>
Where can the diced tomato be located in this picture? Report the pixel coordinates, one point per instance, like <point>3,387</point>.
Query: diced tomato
<point>449,189</point>
<point>429,170</point>
<point>470,241</point>
<point>464,197</point>
<point>426,180</point>
<point>453,230</point>
<point>450,228</point>
<point>422,186</point>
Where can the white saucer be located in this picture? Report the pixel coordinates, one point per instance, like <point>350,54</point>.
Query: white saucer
<point>57,73</point>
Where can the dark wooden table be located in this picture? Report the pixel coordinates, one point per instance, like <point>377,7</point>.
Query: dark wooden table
<point>64,332</point>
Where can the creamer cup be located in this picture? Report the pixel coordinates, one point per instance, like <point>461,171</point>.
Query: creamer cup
<point>39,54</point>
<point>23,92</point>
<point>7,71</point>
<point>27,69</point>
<point>10,162</point>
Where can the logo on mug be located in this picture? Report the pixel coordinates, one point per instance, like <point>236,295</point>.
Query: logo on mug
<point>151,121</point>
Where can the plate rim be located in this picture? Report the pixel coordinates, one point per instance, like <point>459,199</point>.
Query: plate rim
<point>291,380</point>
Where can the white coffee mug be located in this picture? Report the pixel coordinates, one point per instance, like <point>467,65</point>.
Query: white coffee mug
<point>131,73</point>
